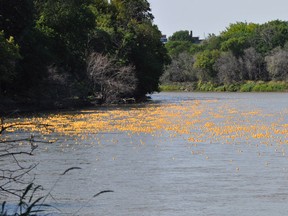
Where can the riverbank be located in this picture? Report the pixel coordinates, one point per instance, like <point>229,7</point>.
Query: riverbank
<point>248,86</point>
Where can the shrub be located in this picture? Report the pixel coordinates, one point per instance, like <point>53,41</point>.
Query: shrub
<point>247,87</point>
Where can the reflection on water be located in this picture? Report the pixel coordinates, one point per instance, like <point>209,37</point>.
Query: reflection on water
<point>182,154</point>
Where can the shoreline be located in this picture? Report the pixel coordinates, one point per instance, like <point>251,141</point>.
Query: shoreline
<point>10,107</point>
<point>13,107</point>
<point>248,86</point>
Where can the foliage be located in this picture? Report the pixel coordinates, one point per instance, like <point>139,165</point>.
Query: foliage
<point>172,87</point>
<point>270,35</point>
<point>247,86</point>
<point>180,42</point>
<point>68,23</point>
<point>212,42</point>
<point>17,20</point>
<point>16,17</point>
<point>277,65</point>
<point>182,35</point>
<point>180,70</point>
<point>177,47</point>
<point>205,64</point>
<point>236,37</point>
<point>137,42</point>
<point>9,55</point>
<point>56,38</point>
<point>243,51</point>
<point>149,56</point>
<point>261,86</point>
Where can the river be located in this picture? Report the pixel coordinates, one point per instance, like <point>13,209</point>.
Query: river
<point>182,154</point>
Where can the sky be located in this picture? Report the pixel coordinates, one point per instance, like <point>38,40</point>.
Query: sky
<point>213,16</point>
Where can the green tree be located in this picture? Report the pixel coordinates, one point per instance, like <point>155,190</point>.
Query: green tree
<point>136,41</point>
<point>176,47</point>
<point>179,42</point>
<point>56,37</point>
<point>205,64</point>
<point>182,35</point>
<point>270,35</point>
<point>237,37</point>
<point>149,56</point>
<point>9,55</point>
<point>16,17</point>
<point>212,42</point>
<point>68,23</point>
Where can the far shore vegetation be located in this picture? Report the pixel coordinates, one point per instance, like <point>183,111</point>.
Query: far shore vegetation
<point>248,86</point>
<point>244,57</point>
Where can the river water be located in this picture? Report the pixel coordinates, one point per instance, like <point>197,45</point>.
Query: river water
<point>182,154</point>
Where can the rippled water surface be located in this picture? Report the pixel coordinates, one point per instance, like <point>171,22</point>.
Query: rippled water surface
<point>182,154</point>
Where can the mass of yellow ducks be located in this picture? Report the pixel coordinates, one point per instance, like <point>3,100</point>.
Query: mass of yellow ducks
<point>197,121</point>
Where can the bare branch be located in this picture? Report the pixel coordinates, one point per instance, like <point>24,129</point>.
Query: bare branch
<point>15,173</point>
<point>111,81</point>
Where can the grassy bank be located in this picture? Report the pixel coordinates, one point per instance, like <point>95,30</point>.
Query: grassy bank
<point>248,86</point>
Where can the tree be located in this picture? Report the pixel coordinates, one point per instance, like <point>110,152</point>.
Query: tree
<point>254,65</point>
<point>16,17</point>
<point>131,10</point>
<point>17,20</point>
<point>270,35</point>
<point>56,38</point>
<point>237,37</point>
<point>229,68</point>
<point>181,69</point>
<point>204,63</point>
<point>277,64</point>
<point>149,56</point>
<point>137,42</point>
<point>212,42</point>
<point>9,55</point>
<point>181,41</point>
<point>68,23</point>
<point>176,47</point>
<point>182,35</point>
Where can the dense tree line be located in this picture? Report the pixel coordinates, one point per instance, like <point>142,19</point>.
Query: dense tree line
<point>48,47</point>
<point>242,52</point>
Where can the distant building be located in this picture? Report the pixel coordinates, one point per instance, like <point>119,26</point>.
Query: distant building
<point>195,40</point>
<point>163,39</point>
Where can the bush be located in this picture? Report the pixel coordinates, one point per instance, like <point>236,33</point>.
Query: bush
<point>175,86</point>
<point>247,87</point>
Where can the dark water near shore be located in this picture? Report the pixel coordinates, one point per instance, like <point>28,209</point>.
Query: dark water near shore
<point>196,172</point>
